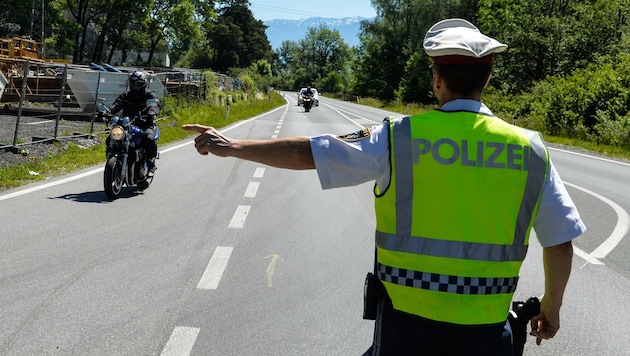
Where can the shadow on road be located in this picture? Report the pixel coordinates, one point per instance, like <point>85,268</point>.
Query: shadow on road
<point>98,196</point>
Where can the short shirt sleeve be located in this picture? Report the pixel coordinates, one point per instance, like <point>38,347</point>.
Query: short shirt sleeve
<point>352,159</point>
<point>558,220</point>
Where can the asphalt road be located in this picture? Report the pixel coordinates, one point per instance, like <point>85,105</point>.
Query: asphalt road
<point>228,257</point>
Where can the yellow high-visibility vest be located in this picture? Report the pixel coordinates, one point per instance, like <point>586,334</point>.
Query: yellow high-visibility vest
<point>453,226</point>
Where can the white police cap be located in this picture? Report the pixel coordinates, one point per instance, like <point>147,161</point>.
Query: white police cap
<point>457,41</point>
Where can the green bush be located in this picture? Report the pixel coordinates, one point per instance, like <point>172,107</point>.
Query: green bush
<point>592,104</point>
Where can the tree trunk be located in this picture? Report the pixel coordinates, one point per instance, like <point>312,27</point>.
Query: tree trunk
<point>82,44</point>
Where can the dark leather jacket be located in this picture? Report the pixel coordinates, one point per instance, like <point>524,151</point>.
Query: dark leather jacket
<point>133,103</point>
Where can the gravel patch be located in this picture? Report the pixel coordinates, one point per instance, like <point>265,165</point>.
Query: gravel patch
<point>28,153</point>
<point>35,137</point>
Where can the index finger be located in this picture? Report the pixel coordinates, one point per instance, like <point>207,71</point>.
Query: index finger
<point>195,127</point>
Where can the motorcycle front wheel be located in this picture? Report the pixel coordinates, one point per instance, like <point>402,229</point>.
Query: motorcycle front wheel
<point>112,180</point>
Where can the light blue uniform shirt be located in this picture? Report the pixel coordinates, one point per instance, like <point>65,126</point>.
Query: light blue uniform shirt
<point>363,158</point>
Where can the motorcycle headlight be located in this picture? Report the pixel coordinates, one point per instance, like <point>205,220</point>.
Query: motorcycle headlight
<point>117,133</point>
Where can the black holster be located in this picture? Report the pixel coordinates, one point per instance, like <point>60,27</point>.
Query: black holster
<point>372,291</point>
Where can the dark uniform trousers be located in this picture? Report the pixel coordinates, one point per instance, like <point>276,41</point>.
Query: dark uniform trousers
<point>398,333</point>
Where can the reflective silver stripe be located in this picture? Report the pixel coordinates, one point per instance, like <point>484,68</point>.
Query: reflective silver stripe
<point>451,249</point>
<point>538,164</point>
<point>446,283</point>
<point>403,167</point>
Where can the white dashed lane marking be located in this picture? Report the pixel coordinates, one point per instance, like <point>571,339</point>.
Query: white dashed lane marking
<point>214,271</point>
<point>181,341</point>
<point>252,189</point>
<point>239,217</point>
<point>259,173</point>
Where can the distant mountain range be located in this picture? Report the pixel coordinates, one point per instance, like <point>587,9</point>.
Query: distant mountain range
<point>295,30</point>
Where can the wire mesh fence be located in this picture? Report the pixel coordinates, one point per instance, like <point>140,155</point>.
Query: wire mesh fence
<point>44,102</point>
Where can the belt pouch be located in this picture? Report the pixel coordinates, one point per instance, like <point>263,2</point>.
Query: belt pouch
<point>371,293</point>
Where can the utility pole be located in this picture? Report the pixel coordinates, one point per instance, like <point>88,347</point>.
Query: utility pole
<point>37,26</point>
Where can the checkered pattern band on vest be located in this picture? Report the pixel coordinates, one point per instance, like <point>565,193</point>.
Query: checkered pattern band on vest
<point>445,283</point>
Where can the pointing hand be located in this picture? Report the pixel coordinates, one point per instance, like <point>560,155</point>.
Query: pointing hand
<point>210,140</point>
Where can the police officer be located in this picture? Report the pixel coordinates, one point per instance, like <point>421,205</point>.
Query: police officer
<point>457,193</point>
<point>133,105</point>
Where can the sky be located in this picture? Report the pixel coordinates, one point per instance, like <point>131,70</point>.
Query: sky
<point>265,10</point>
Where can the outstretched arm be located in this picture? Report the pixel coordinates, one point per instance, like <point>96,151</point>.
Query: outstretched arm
<point>290,152</point>
<point>557,262</point>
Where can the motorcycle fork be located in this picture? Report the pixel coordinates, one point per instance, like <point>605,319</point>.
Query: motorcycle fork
<point>110,152</point>
<point>123,171</point>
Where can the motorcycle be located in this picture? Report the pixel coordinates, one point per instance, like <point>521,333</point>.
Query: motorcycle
<point>126,158</point>
<point>307,102</point>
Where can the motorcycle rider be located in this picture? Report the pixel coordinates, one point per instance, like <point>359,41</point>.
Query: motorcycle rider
<point>308,91</point>
<point>132,103</point>
<point>308,94</point>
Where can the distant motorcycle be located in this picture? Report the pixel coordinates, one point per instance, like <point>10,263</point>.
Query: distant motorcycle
<point>126,159</point>
<point>307,102</point>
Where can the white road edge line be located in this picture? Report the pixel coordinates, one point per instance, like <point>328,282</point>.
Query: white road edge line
<point>51,184</point>
<point>214,271</point>
<point>589,156</point>
<point>587,257</point>
<point>181,341</point>
<point>620,230</point>
<point>346,117</point>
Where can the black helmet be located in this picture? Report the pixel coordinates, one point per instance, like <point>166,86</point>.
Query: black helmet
<point>137,81</point>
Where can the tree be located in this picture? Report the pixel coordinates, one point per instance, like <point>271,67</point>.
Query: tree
<point>321,52</point>
<point>83,11</point>
<point>194,46</point>
<point>327,51</point>
<point>15,18</point>
<point>113,22</point>
<point>237,39</point>
<point>285,55</point>
<point>384,44</point>
<point>332,83</point>
<point>170,21</point>
<point>19,18</point>
<point>58,31</point>
<point>550,37</point>
<point>391,61</point>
